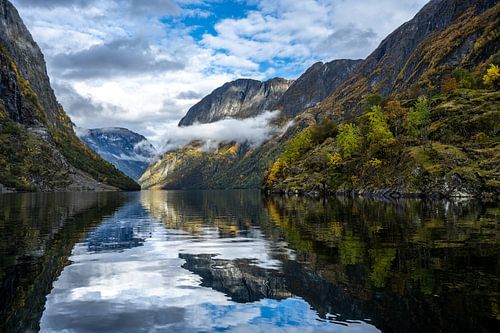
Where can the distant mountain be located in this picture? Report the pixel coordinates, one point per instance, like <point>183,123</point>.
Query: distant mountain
<point>130,152</point>
<point>243,98</point>
<point>38,147</point>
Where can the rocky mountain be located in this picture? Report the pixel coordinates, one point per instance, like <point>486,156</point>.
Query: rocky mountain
<point>130,152</point>
<point>312,87</point>
<point>38,147</point>
<point>192,167</point>
<point>442,55</point>
<point>243,98</point>
<point>444,35</point>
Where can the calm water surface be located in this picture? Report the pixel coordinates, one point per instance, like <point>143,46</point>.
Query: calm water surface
<point>236,261</point>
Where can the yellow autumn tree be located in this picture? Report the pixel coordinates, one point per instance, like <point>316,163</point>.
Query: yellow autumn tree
<point>492,76</point>
<point>275,172</point>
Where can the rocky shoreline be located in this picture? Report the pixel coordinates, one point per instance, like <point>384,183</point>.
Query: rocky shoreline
<point>385,193</point>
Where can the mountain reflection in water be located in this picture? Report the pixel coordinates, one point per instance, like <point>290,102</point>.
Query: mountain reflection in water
<point>237,261</point>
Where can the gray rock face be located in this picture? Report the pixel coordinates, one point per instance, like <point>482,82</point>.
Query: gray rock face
<point>317,83</point>
<point>394,51</point>
<point>128,151</point>
<point>17,40</point>
<point>243,98</point>
<point>39,149</point>
<point>246,98</point>
<point>397,63</point>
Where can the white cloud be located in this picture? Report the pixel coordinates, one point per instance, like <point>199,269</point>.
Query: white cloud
<point>252,131</point>
<point>303,30</point>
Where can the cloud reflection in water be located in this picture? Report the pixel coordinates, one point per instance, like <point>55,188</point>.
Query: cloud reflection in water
<point>129,275</point>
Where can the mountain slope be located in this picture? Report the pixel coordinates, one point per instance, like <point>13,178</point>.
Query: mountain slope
<point>243,98</point>
<point>448,45</point>
<point>456,154</point>
<point>192,167</point>
<point>38,148</point>
<point>414,58</point>
<point>130,152</point>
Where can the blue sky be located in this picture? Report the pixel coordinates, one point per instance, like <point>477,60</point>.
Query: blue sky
<point>210,14</point>
<point>142,64</point>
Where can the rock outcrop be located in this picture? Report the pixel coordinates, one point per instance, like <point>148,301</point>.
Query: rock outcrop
<point>130,152</point>
<point>243,98</point>
<point>38,147</point>
<point>317,83</point>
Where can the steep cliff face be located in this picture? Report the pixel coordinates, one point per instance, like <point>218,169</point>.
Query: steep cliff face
<point>18,43</point>
<point>130,152</point>
<point>413,59</point>
<point>240,99</point>
<point>317,83</point>
<point>38,148</point>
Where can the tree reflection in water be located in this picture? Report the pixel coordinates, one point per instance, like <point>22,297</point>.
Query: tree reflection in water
<point>209,260</point>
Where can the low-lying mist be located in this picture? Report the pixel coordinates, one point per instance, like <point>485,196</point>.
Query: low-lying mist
<point>253,131</point>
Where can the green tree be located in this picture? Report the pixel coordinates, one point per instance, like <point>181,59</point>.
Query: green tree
<point>320,132</point>
<point>379,134</point>
<point>419,117</point>
<point>298,145</point>
<point>349,139</point>
<point>371,101</point>
<point>465,78</point>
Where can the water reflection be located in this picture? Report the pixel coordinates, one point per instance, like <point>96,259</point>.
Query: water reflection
<point>121,231</point>
<point>236,261</point>
<point>37,235</point>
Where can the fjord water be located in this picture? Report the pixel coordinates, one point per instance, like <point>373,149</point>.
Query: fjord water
<point>238,261</point>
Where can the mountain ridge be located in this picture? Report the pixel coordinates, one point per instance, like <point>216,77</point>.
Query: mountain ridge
<point>387,69</point>
<point>242,98</point>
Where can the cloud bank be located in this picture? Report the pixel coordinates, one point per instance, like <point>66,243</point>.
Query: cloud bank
<point>120,57</point>
<point>252,131</point>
